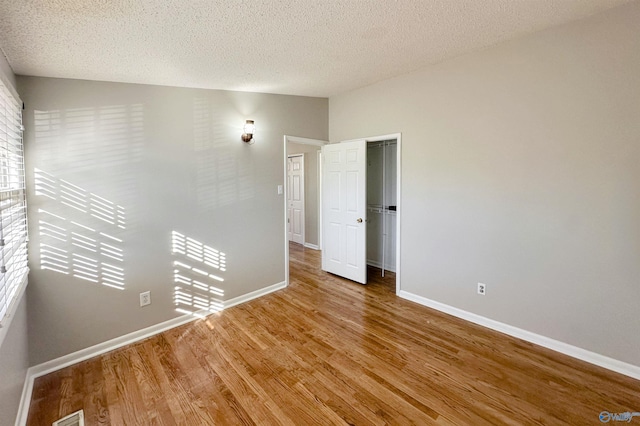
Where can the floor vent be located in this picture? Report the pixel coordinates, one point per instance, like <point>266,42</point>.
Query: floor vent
<point>73,419</point>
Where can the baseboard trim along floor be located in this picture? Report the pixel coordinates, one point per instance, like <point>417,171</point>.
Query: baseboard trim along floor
<point>556,345</point>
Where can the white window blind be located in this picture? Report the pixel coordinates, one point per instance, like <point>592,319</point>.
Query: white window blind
<point>13,211</point>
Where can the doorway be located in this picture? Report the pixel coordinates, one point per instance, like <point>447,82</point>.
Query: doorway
<point>310,184</point>
<point>348,213</point>
<point>382,204</point>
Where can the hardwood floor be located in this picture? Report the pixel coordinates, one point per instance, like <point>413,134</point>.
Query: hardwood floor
<point>329,351</point>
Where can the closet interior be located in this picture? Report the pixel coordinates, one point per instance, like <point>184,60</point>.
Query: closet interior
<point>381,204</point>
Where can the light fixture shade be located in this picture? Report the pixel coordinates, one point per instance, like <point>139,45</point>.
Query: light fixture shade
<point>249,128</point>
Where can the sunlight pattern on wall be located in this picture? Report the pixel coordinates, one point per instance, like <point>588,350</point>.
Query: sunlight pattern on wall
<point>116,133</point>
<point>193,264</point>
<point>222,177</point>
<point>77,198</point>
<point>91,253</point>
<point>101,147</point>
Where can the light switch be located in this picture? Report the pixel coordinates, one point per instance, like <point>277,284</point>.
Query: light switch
<point>280,190</point>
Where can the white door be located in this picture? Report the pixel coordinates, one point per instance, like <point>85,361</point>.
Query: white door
<point>344,200</point>
<point>295,198</point>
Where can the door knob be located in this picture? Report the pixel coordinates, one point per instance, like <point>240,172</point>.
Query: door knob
<point>359,220</point>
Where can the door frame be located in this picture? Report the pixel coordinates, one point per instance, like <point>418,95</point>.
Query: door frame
<point>398,138</point>
<point>303,141</point>
<point>303,195</point>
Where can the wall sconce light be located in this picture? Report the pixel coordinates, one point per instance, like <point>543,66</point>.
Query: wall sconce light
<point>249,128</point>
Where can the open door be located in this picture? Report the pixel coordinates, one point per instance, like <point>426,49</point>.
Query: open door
<point>344,209</point>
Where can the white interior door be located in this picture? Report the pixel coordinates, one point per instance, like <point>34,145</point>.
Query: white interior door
<point>295,198</point>
<point>344,200</point>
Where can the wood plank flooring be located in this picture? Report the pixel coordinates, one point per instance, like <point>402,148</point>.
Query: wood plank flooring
<point>328,351</point>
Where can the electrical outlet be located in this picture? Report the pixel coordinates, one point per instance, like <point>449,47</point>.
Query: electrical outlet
<point>482,289</point>
<point>145,298</point>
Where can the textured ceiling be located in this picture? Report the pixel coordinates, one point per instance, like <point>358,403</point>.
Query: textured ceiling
<point>304,47</point>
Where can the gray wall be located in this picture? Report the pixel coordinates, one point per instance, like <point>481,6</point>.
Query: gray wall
<point>311,194</point>
<point>14,356</point>
<point>170,159</point>
<point>520,170</point>
<point>14,361</point>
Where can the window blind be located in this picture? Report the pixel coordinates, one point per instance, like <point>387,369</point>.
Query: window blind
<point>13,206</point>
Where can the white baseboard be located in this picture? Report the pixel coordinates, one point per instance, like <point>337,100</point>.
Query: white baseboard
<point>254,294</point>
<point>556,345</point>
<point>101,348</point>
<point>109,345</point>
<point>378,265</point>
<point>311,246</point>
